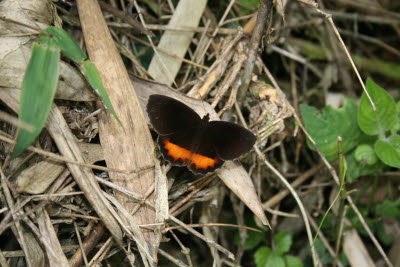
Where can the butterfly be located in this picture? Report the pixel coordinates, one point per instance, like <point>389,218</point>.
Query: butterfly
<point>186,139</point>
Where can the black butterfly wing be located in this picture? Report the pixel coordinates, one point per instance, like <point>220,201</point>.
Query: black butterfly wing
<point>168,115</point>
<point>190,147</point>
<point>176,147</point>
<point>230,140</point>
<point>204,158</point>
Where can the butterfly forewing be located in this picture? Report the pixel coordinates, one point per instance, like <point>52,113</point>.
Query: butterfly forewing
<point>169,116</point>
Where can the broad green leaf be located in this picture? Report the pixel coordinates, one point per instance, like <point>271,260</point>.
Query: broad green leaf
<point>283,242</point>
<point>261,256</point>
<point>388,150</point>
<point>68,45</point>
<point>292,261</point>
<point>37,91</point>
<point>324,128</point>
<point>366,154</point>
<point>94,79</point>
<point>383,118</point>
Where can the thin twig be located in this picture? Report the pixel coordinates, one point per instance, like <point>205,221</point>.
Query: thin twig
<point>210,242</point>
<point>329,18</point>
<point>211,225</point>
<point>177,262</point>
<point>80,244</point>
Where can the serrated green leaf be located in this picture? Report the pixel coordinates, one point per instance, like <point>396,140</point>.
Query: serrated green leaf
<point>383,118</point>
<point>292,261</point>
<point>324,128</point>
<point>68,45</point>
<point>37,91</point>
<point>366,154</point>
<point>94,79</point>
<point>388,150</point>
<point>261,256</point>
<point>283,242</point>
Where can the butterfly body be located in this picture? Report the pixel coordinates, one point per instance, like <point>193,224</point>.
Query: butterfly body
<point>185,139</point>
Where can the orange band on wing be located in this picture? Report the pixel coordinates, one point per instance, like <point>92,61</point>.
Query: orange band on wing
<point>203,162</point>
<point>177,152</point>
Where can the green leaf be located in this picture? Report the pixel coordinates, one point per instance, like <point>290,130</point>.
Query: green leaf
<point>342,165</point>
<point>283,242</point>
<point>94,79</point>
<point>252,240</point>
<point>356,169</point>
<point>275,260</point>
<point>248,4</point>
<point>322,252</point>
<point>384,237</point>
<point>396,126</point>
<point>68,45</point>
<point>292,261</point>
<point>324,128</point>
<point>379,121</point>
<point>388,150</point>
<point>261,256</point>
<point>37,91</point>
<point>265,258</point>
<point>366,154</point>
<point>389,208</point>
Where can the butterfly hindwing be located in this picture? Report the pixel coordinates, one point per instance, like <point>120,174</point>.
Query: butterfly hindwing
<point>204,158</point>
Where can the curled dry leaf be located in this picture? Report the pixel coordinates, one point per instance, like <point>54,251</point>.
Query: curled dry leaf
<point>38,177</point>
